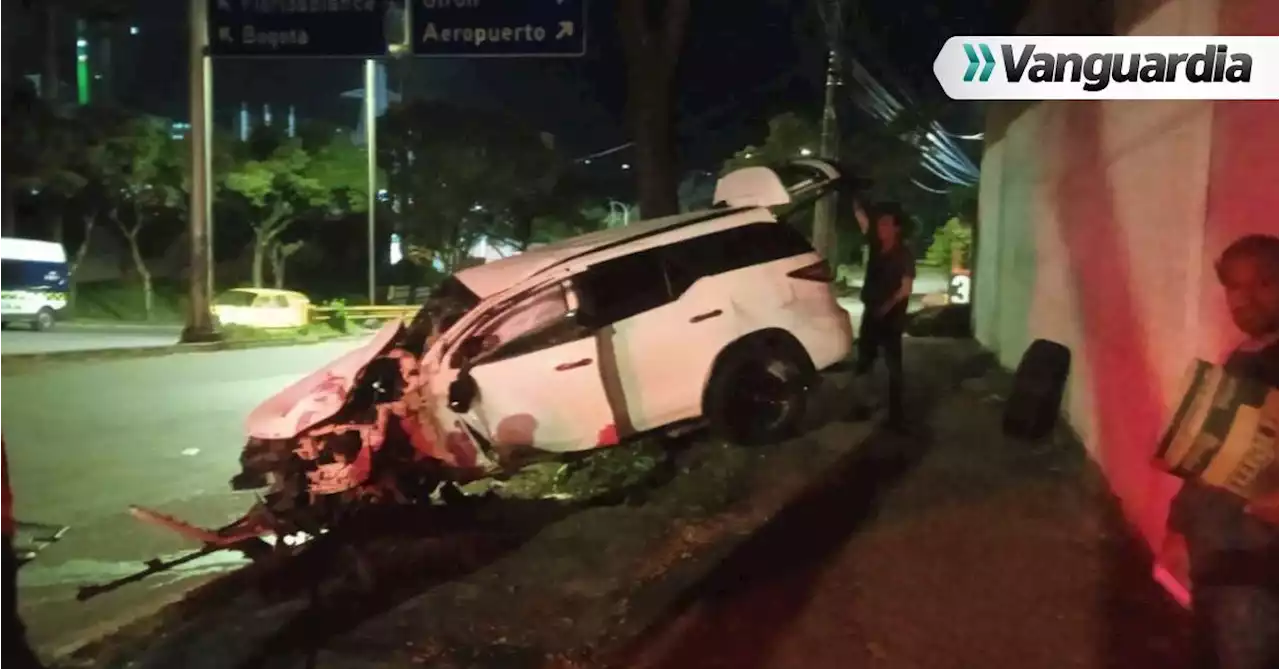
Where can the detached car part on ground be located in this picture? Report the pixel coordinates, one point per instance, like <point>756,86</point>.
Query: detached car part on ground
<point>720,317</point>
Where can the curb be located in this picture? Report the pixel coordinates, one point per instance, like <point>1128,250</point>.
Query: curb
<point>24,361</point>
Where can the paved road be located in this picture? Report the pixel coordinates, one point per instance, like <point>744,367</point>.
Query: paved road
<point>85,440</point>
<point>76,337</point>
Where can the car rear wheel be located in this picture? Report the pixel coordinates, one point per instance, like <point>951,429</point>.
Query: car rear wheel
<point>43,320</point>
<point>759,392</point>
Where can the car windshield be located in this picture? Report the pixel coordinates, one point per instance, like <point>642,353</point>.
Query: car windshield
<point>235,298</point>
<point>450,301</point>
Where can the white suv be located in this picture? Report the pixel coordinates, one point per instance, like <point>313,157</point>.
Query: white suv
<point>722,316</point>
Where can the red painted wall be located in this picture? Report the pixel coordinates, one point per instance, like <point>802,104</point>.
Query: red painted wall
<point>1099,222</point>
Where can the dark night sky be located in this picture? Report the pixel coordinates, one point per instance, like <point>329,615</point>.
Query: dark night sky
<point>738,68</point>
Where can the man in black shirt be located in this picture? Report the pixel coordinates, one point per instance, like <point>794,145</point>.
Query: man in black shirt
<point>886,289</point>
<point>1231,545</point>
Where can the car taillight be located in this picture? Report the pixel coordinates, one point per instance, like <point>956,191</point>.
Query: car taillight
<point>819,271</point>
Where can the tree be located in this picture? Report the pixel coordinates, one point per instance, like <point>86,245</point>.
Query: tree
<point>280,254</point>
<point>790,136</point>
<point>653,33</point>
<point>140,170</point>
<point>457,175</point>
<point>951,244</point>
<point>289,182</point>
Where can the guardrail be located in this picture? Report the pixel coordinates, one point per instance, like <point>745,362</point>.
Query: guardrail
<point>381,313</point>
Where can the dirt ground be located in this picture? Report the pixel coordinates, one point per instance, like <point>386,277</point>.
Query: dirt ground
<point>954,548</point>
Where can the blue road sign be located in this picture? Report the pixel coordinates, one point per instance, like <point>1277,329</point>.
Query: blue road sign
<point>499,28</point>
<point>304,27</point>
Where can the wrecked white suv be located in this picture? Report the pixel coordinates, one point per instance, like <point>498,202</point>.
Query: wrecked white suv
<point>720,317</point>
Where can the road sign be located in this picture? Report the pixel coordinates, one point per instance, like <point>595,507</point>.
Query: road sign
<point>285,28</point>
<point>499,28</point>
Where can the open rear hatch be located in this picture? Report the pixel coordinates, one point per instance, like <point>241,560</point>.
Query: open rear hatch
<point>761,186</point>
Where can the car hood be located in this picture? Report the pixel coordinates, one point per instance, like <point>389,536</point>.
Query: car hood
<point>320,394</point>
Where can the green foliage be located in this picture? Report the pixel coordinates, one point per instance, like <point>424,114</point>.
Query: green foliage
<point>789,135</point>
<point>279,180</point>
<point>455,175</point>
<point>339,319</point>
<point>955,237</point>
<point>117,300</point>
<point>611,470</point>
<point>139,167</point>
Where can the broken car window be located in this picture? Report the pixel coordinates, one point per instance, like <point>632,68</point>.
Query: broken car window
<point>543,309</point>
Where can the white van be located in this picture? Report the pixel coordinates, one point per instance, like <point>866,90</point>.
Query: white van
<point>33,282</point>
<point>720,317</point>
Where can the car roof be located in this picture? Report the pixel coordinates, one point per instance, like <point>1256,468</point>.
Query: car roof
<point>498,275</point>
<point>34,250</point>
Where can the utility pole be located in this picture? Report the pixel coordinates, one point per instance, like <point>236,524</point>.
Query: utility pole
<point>199,321</point>
<point>825,238</point>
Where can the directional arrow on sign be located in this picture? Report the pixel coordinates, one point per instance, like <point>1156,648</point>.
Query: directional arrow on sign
<point>566,30</point>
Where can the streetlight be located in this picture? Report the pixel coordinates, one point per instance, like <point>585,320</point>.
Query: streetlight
<point>806,152</point>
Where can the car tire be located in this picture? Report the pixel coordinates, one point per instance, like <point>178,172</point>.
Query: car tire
<point>759,391</point>
<point>44,320</point>
<point>1034,403</point>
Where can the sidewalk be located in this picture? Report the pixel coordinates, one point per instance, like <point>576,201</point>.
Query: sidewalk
<point>955,549</point>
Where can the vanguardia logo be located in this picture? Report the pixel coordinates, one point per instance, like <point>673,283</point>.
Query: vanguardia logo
<point>1109,67</point>
<point>988,62</point>
<point>1098,70</point>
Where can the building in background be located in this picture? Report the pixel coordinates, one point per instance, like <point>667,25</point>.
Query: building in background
<point>107,59</point>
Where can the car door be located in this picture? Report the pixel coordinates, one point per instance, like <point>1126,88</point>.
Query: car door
<point>537,371</point>
<point>664,328</point>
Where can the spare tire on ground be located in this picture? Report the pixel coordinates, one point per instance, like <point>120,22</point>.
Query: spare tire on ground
<point>1038,386</point>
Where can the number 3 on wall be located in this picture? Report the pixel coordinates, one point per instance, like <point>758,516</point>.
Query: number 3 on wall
<point>958,290</point>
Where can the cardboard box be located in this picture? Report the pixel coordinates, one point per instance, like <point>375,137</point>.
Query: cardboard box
<point>1223,432</point>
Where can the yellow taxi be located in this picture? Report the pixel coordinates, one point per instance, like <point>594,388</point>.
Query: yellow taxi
<point>262,308</point>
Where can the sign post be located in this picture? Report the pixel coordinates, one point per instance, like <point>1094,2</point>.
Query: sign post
<point>371,144</point>
<point>367,29</point>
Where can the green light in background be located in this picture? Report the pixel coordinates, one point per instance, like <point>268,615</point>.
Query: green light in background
<point>82,79</point>
<point>82,65</point>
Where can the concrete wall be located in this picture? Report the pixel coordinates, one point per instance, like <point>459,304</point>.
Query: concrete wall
<point>1098,225</point>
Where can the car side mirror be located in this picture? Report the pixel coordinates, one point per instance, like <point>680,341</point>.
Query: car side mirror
<point>463,391</point>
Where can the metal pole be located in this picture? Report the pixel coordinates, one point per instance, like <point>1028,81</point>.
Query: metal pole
<point>371,145</point>
<point>199,322</point>
<point>210,193</point>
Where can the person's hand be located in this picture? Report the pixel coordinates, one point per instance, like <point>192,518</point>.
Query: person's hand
<point>1266,507</point>
<point>859,213</point>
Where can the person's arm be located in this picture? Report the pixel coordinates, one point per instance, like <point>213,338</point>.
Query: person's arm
<point>903,293</point>
<point>864,222</point>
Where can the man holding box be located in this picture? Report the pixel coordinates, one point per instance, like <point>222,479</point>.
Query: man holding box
<point>1231,543</point>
